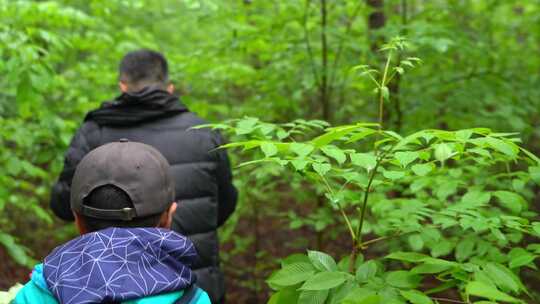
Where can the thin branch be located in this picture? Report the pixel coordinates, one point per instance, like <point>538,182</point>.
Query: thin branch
<point>449,300</point>
<point>366,194</point>
<point>324,59</point>
<point>341,45</point>
<point>364,203</point>
<point>349,224</point>
<point>308,44</point>
<point>382,238</point>
<point>347,221</point>
<point>384,82</point>
<point>465,77</point>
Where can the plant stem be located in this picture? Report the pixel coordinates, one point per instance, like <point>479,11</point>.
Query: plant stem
<point>347,221</point>
<point>324,60</point>
<point>354,255</point>
<point>382,238</point>
<point>383,86</point>
<point>308,43</point>
<point>349,225</point>
<point>449,300</point>
<point>366,195</point>
<point>364,203</point>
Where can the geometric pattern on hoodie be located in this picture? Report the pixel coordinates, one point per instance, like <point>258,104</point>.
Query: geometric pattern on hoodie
<point>119,264</point>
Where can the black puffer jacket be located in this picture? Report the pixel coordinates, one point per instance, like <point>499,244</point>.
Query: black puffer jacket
<point>204,190</point>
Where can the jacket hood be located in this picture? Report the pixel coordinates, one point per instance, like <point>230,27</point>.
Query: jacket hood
<point>118,264</point>
<point>134,108</point>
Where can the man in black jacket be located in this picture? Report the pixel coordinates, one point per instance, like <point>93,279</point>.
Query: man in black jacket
<point>148,112</point>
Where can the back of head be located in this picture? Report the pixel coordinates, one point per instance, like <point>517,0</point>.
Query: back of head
<point>122,184</point>
<point>144,68</point>
<point>111,197</point>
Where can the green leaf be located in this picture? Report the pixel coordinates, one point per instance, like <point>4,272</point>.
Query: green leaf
<point>502,146</point>
<point>422,169</point>
<point>518,185</point>
<point>535,174</point>
<point>511,201</point>
<point>16,251</point>
<point>360,135</point>
<point>361,295</point>
<point>520,257</point>
<point>481,152</point>
<point>416,242</point>
<point>338,294</point>
<point>534,247</point>
<point>324,280</point>
<point>295,258</point>
<point>430,268</point>
<point>292,274</point>
<point>475,198</point>
<point>366,271</point>
<point>322,261</point>
<point>393,174</point>
<point>371,299</point>
<point>484,290</point>
<point>335,153</point>
<point>407,256</point>
<point>246,125</point>
<point>503,277</point>
<point>364,160</point>
<point>282,134</point>
<point>299,164</point>
<point>269,149</point>
<point>9,296</point>
<point>385,92</point>
<point>463,135</point>
<point>402,279</point>
<point>312,297</point>
<point>405,158</point>
<point>322,169</point>
<point>301,149</point>
<point>464,248</point>
<point>13,166</point>
<point>443,152</point>
<point>415,297</point>
<point>333,134</point>
<point>536,227</point>
<point>286,295</point>
<point>530,155</point>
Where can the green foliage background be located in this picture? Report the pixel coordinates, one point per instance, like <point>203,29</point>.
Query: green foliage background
<point>276,60</point>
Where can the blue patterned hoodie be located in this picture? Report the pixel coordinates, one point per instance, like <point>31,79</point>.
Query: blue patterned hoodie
<point>118,265</point>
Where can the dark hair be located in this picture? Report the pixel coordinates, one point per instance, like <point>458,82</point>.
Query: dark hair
<point>112,197</point>
<point>142,68</point>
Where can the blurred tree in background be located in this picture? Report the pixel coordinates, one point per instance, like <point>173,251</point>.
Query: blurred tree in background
<point>276,60</point>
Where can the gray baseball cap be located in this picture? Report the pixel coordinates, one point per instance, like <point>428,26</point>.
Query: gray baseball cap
<point>138,169</point>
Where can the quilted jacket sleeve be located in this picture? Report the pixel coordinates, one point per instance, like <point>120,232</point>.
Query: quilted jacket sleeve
<point>227,193</point>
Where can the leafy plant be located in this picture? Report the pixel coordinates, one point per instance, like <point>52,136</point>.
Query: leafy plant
<point>7,296</point>
<point>453,197</point>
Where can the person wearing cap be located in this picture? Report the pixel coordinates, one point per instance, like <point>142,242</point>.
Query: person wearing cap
<point>148,112</point>
<point>122,199</point>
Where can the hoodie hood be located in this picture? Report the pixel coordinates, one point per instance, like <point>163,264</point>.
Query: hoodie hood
<point>134,108</point>
<point>119,264</point>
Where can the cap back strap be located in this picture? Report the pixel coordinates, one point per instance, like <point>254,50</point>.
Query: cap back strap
<point>124,214</point>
